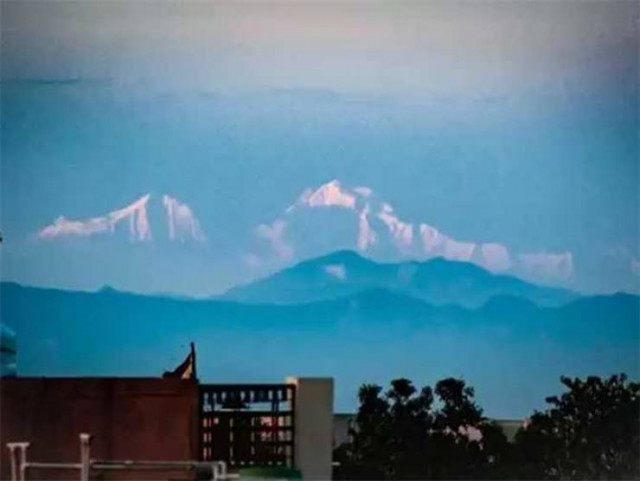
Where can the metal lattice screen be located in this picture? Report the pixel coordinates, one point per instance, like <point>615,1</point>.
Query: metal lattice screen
<point>247,424</point>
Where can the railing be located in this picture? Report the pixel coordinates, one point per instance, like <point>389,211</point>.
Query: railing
<point>20,465</point>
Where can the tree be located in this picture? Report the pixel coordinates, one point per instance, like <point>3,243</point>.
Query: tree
<point>590,432</point>
<point>411,421</point>
<point>465,444</point>
<point>398,435</point>
<point>390,433</point>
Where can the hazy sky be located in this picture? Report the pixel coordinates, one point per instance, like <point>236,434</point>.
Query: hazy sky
<point>511,122</point>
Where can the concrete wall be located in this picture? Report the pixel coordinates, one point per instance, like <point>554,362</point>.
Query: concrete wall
<point>510,427</point>
<point>142,419</point>
<point>313,427</point>
<point>341,424</point>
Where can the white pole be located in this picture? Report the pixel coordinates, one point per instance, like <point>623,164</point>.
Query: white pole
<point>14,462</point>
<point>219,471</point>
<point>85,445</point>
<point>23,460</point>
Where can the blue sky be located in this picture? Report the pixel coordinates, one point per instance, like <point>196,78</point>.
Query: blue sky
<point>509,122</point>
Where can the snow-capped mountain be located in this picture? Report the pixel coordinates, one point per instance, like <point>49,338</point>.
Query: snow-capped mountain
<point>328,218</point>
<point>373,226</point>
<point>182,224</point>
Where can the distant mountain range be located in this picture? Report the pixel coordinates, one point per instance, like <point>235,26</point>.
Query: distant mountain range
<point>344,316</point>
<point>324,218</point>
<point>334,216</point>
<point>437,281</point>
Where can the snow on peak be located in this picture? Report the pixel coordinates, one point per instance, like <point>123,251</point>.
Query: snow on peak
<point>496,257</point>
<point>401,232</point>
<point>366,235</point>
<point>432,238</point>
<point>457,250</point>
<point>183,225</point>
<point>328,195</point>
<point>435,243</point>
<point>375,219</point>
<point>547,265</point>
<point>64,226</point>
<point>135,214</point>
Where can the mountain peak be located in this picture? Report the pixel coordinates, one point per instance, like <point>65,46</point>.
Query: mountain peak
<point>330,194</point>
<point>374,226</point>
<point>346,273</point>
<point>345,256</point>
<point>182,225</point>
<point>107,289</point>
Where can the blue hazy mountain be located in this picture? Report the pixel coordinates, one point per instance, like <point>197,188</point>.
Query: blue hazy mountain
<point>437,281</point>
<point>510,349</point>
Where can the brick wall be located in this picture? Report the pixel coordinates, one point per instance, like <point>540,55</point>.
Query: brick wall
<point>129,418</point>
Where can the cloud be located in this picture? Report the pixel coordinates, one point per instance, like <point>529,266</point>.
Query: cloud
<point>336,270</point>
<point>548,265</point>
<point>274,233</point>
<point>183,225</point>
<point>495,257</point>
<point>135,213</point>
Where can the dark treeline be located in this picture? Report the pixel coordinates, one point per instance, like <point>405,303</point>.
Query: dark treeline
<point>591,431</point>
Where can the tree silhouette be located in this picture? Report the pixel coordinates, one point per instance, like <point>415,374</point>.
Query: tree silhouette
<point>398,435</point>
<point>590,432</point>
<point>465,444</point>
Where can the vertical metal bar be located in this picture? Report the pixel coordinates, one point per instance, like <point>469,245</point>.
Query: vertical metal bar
<point>23,460</point>
<point>200,429</point>
<point>200,426</point>
<point>14,462</point>
<point>292,461</point>
<point>85,445</point>
<point>273,431</point>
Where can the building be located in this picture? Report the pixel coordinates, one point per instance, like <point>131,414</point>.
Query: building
<point>169,419</point>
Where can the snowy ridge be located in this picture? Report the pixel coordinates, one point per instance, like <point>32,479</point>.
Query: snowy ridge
<point>182,224</point>
<point>377,221</point>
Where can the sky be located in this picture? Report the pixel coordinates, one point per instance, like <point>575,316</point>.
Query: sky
<point>501,123</point>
